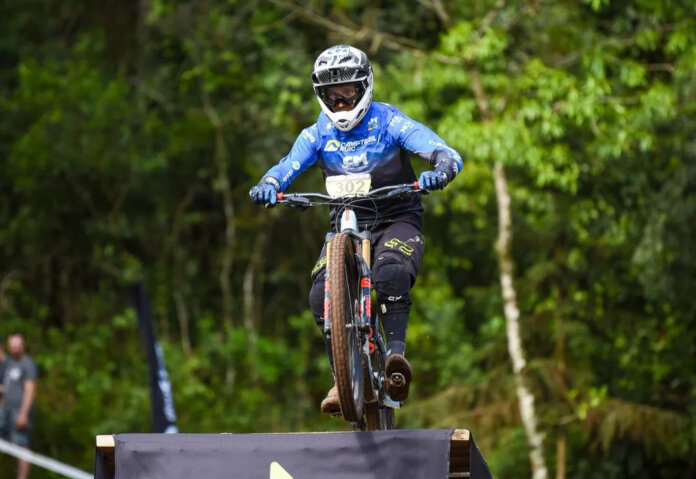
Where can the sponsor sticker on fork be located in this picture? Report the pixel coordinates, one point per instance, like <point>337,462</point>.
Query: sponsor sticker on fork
<point>347,185</point>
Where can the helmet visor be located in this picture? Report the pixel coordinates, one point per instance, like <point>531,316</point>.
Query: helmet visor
<point>348,93</point>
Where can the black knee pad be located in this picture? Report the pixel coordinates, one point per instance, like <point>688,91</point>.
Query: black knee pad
<point>316,300</point>
<point>392,282</point>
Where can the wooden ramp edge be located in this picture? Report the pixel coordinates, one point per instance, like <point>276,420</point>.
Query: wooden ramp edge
<point>459,452</point>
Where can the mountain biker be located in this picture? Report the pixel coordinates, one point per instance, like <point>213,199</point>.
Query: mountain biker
<point>353,134</point>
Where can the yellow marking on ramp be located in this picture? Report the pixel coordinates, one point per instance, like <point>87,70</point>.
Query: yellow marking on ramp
<point>277,472</point>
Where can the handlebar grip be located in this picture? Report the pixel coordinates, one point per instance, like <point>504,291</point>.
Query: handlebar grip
<point>279,197</point>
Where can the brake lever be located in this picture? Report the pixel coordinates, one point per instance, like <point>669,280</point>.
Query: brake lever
<point>398,192</point>
<point>300,203</point>
<point>404,190</point>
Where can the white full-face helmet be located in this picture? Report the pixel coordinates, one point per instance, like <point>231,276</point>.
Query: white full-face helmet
<point>343,64</point>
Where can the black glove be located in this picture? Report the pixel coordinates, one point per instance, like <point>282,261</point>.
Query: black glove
<point>432,180</point>
<point>265,193</point>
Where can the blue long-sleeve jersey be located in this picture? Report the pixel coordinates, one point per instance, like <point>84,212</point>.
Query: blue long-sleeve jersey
<point>379,145</point>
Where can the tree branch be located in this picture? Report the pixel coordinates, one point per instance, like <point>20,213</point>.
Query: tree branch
<point>439,9</point>
<point>490,16</point>
<point>359,34</point>
<point>479,93</point>
<point>81,193</point>
<point>223,182</point>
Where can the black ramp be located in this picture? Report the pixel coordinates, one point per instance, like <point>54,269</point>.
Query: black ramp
<point>477,464</point>
<point>379,455</point>
<point>101,471</point>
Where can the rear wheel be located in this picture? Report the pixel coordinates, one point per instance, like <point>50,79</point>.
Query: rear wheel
<point>345,335</point>
<point>378,417</point>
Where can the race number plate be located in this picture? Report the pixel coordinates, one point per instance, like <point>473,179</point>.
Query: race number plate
<point>346,185</point>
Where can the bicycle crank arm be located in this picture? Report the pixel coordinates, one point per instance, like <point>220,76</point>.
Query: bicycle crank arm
<point>389,402</point>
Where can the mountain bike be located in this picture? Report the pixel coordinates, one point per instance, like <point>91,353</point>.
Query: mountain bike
<point>357,342</point>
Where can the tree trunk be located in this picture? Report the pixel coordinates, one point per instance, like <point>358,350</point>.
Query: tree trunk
<point>251,300</point>
<point>5,284</point>
<point>178,258</point>
<point>561,451</point>
<point>512,314</point>
<point>183,316</point>
<point>561,439</point>
<point>222,184</point>
<point>251,295</point>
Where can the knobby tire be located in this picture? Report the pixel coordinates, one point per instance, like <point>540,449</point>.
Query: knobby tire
<point>345,337</point>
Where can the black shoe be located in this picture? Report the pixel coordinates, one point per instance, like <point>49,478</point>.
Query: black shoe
<point>399,374</point>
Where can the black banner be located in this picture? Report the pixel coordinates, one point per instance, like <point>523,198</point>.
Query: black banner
<point>368,455</point>
<point>163,414</point>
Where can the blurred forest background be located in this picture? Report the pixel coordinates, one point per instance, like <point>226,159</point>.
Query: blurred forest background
<point>132,130</point>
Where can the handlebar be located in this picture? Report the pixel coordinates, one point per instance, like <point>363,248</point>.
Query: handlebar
<point>305,200</point>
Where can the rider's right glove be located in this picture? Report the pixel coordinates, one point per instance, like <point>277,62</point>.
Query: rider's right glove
<point>266,192</point>
<point>432,180</point>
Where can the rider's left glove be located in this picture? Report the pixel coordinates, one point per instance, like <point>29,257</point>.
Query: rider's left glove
<point>433,180</point>
<point>265,193</point>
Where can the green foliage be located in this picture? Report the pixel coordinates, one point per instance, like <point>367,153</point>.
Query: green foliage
<point>120,124</point>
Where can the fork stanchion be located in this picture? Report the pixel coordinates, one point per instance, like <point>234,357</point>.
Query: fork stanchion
<point>366,252</point>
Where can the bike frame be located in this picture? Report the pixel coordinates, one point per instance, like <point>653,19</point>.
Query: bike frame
<point>371,335</point>
<point>371,339</point>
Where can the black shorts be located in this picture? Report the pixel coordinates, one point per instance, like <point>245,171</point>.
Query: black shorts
<point>400,242</point>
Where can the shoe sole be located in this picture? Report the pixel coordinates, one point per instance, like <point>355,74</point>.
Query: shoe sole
<point>331,406</point>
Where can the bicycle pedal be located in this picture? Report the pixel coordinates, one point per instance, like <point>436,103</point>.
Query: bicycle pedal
<point>397,379</point>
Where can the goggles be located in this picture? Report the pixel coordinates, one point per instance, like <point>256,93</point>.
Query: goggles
<point>348,93</point>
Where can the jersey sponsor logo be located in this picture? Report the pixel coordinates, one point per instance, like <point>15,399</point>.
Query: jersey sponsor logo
<point>335,145</point>
<point>332,145</point>
<point>355,161</point>
<point>406,126</point>
<point>309,136</point>
<point>355,144</point>
<point>372,124</point>
<point>395,121</point>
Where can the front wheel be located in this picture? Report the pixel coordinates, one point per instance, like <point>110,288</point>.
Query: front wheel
<point>345,334</point>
